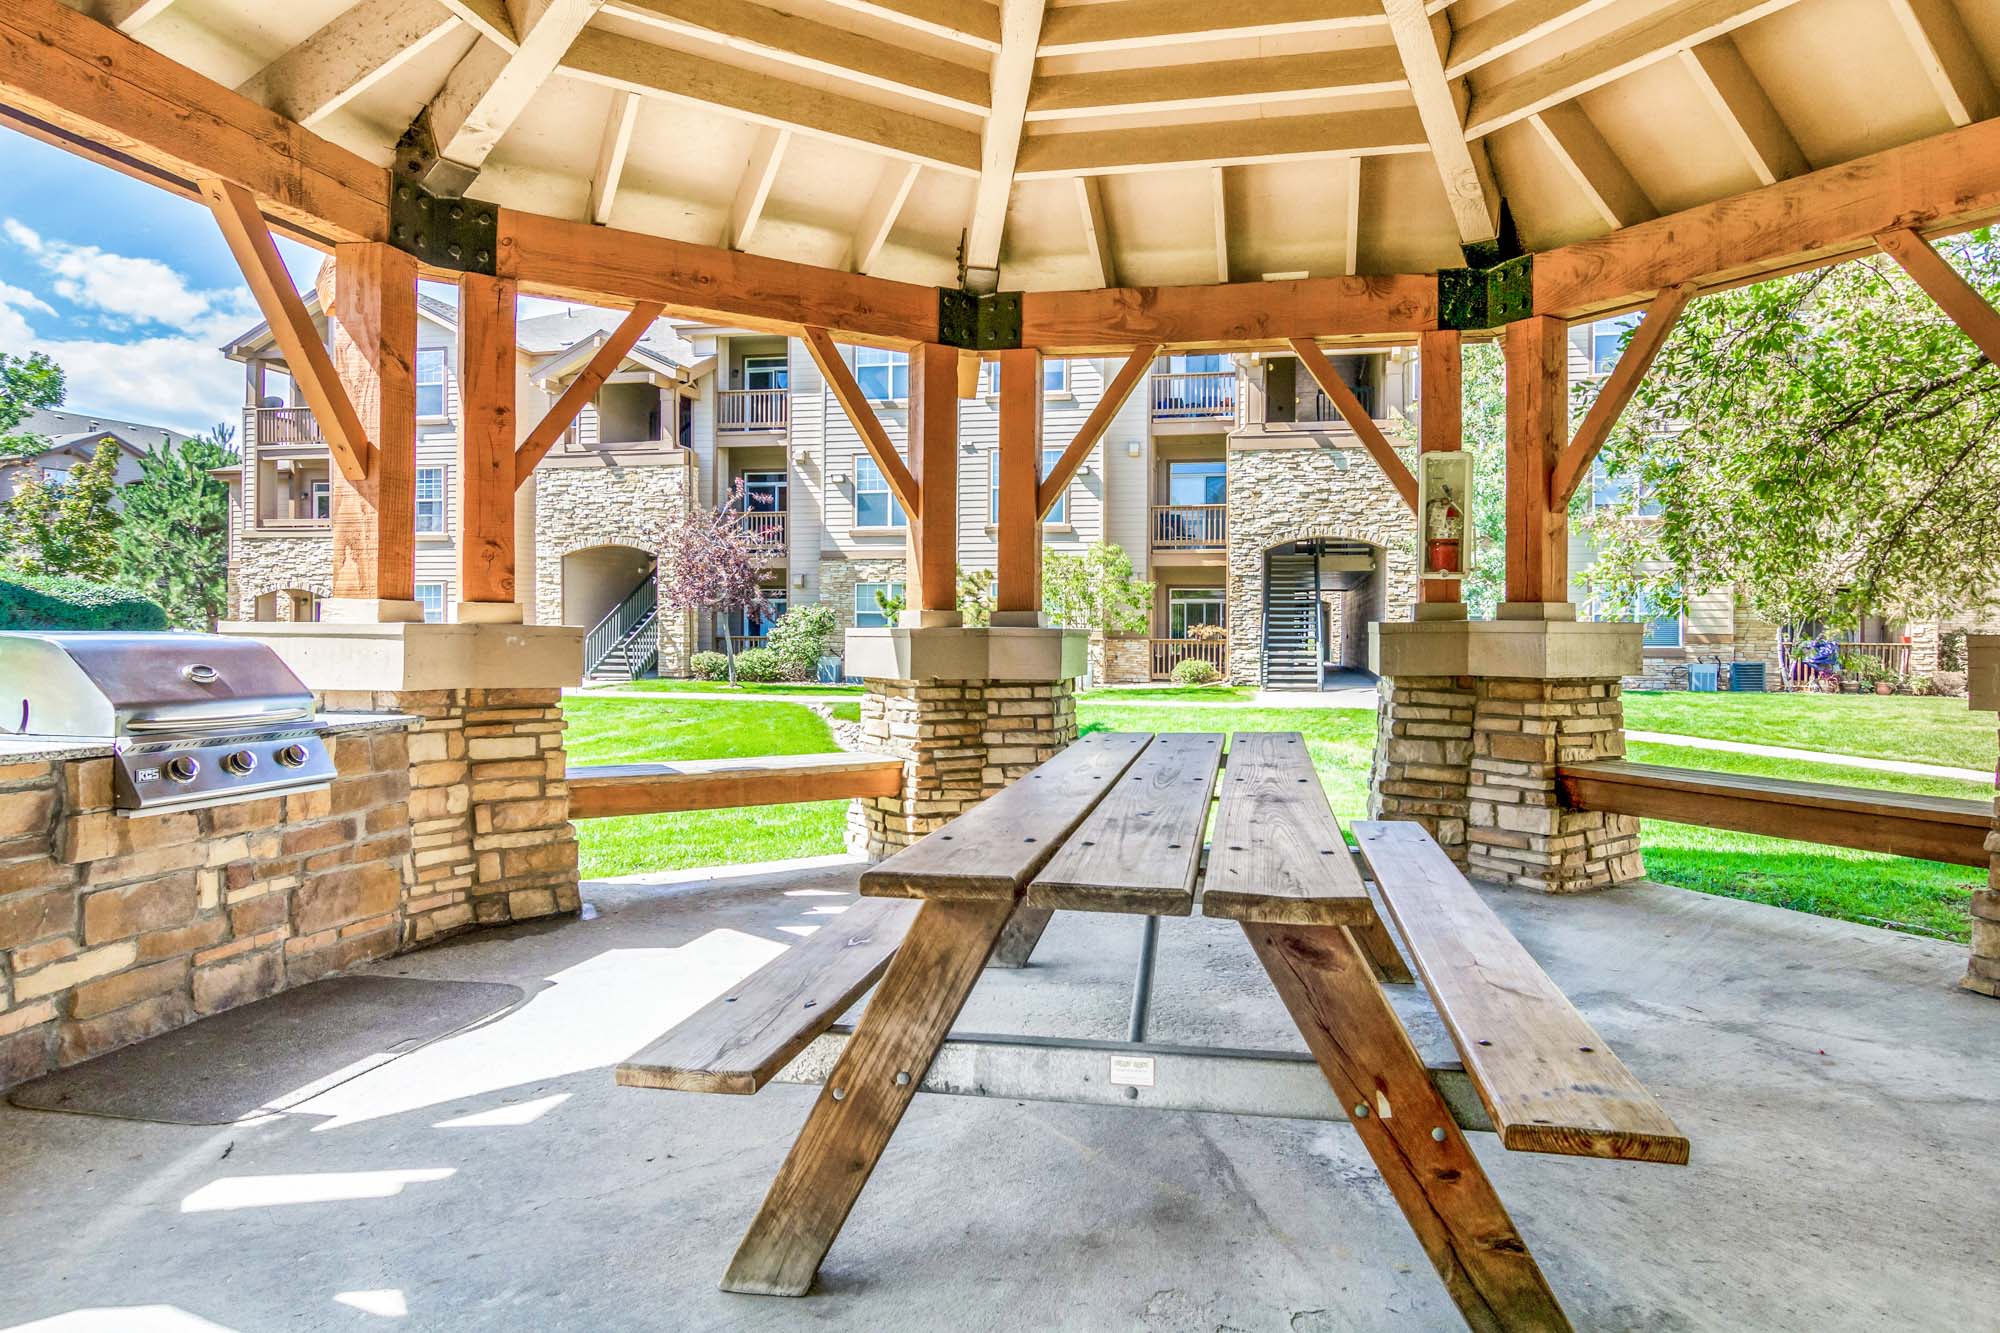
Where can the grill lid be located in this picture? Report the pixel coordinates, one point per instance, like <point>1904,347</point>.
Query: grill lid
<point>110,684</point>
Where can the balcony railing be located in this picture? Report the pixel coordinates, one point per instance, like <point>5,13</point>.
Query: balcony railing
<point>1170,653</point>
<point>1202,395</point>
<point>282,426</point>
<point>1190,527</point>
<point>744,642</point>
<point>767,529</point>
<point>1891,657</point>
<point>753,409</point>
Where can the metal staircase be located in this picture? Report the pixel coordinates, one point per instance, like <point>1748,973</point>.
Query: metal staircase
<point>1291,659</point>
<point>623,645</point>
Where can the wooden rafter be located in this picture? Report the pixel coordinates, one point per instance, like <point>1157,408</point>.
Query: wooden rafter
<point>878,220</point>
<point>861,414</point>
<point>1219,198</point>
<point>488,89</point>
<point>1640,353</point>
<point>820,47</point>
<point>1745,109</point>
<point>1357,418</point>
<point>617,345</point>
<point>1389,130</point>
<point>1136,368</point>
<point>1257,81</point>
<point>753,191</point>
<point>488,18</point>
<point>1616,198</point>
<point>1349,171</point>
<point>292,328</point>
<point>972,22</point>
<point>611,154</point>
<point>1959,299</point>
<point>1000,140</point>
<point>1239,315</point>
<point>1096,230</point>
<point>351,53</point>
<point>1511,27</point>
<point>1951,62</point>
<point>130,15</point>
<point>1127,25</point>
<point>1420,39</point>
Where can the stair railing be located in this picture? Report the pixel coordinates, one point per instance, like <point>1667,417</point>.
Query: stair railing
<point>607,634</point>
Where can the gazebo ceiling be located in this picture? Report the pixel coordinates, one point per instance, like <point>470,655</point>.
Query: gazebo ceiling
<point>1093,143</point>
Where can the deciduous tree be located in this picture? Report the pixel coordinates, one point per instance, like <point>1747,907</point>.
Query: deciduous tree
<point>709,562</point>
<point>1095,590</point>
<point>174,539</point>
<point>27,384</point>
<point>68,528</point>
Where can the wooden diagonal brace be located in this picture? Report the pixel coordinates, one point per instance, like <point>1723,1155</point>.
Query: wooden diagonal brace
<point>583,388</point>
<point>249,240</point>
<point>1357,418</point>
<point>1136,367</point>
<point>1959,299</point>
<point>869,426</point>
<point>1638,358</point>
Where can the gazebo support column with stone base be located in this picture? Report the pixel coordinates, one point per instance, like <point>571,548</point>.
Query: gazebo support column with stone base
<point>1476,716</point>
<point>967,711</point>
<point>1982,972</point>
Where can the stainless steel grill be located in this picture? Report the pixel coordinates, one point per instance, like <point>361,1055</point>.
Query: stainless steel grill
<point>192,719</point>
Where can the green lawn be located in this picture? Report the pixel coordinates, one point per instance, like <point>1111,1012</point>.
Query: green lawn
<point>724,687</point>
<point>1931,731</point>
<point>1213,694</point>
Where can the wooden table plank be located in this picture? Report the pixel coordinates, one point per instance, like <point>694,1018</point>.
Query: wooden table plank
<point>1140,848</point>
<point>597,790</point>
<point>738,1040</point>
<point>1278,855</point>
<point>995,848</point>
<point>1548,1080</point>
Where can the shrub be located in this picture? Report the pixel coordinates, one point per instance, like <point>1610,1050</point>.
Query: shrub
<point>59,602</point>
<point>1194,671</point>
<point>709,666</point>
<point>801,637</point>
<point>759,666</point>
<point>1208,633</point>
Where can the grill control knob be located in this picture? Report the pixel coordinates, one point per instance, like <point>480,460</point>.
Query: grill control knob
<point>291,756</point>
<point>241,762</point>
<point>185,768</point>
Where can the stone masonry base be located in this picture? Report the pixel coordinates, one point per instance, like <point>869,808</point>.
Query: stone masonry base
<point>960,741</point>
<point>1982,974</point>
<point>1474,760</point>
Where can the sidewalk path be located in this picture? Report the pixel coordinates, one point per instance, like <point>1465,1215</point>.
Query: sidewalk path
<point>1813,756</point>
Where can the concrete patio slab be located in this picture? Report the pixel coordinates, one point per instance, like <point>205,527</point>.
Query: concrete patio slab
<point>1839,1090</point>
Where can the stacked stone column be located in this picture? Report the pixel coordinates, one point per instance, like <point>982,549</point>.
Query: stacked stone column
<point>1423,756</point>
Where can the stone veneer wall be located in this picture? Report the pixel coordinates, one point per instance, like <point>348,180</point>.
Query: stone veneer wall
<point>1982,973</point>
<point>960,741</point>
<point>1284,495</point>
<point>1423,756</point>
<point>113,930</point>
<point>260,565</point>
<point>838,579</point>
<point>490,837</point>
<point>577,508</point>
<point>1120,659</point>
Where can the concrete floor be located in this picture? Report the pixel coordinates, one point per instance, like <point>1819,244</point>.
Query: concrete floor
<point>1840,1094</point>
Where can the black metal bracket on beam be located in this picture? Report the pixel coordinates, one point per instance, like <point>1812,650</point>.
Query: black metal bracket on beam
<point>443,230</point>
<point>981,323</point>
<point>1496,287</point>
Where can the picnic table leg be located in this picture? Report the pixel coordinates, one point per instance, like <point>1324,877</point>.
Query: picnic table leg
<point>1326,981</point>
<point>1023,932</point>
<point>865,1096</point>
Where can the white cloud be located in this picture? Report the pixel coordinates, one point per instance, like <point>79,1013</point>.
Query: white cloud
<point>21,234</point>
<point>137,289</point>
<point>13,323</point>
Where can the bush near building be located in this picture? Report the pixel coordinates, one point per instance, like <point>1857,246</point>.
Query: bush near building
<point>55,602</point>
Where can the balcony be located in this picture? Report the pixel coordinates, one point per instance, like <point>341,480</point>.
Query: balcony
<point>745,410</point>
<point>767,530</point>
<point>287,427</point>
<point>1190,527</point>
<point>1170,653</point>
<point>1204,395</point>
<point>293,516</point>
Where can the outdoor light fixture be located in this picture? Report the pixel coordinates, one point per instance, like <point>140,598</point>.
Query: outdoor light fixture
<point>1131,448</point>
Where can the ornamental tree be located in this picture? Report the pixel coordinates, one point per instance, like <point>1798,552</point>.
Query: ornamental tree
<point>1095,590</point>
<point>27,384</point>
<point>65,529</point>
<point>709,562</point>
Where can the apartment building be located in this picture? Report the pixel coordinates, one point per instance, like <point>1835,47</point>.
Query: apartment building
<point>1270,537</point>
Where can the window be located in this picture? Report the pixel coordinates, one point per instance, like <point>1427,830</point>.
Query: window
<point>55,478</point>
<point>1059,512</point>
<point>431,596</point>
<point>882,375</point>
<point>430,381</point>
<point>766,372</point>
<point>1202,482</point>
<point>874,505</point>
<point>1196,363</point>
<point>1608,489</point>
<point>1607,342</point>
<point>430,499</point>
<point>764,492</point>
<point>320,495</point>
<point>748,625</point>
<point>1055,376</point>
<point>1663,630</point>
<point>1190,607</point>
<point>867,611</point>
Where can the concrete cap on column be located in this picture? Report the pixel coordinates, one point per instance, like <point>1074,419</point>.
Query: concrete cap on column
<point>1516,649</point>
<point>1003,652</point>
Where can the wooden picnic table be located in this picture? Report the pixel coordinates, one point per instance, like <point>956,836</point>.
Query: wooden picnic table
<point>1116,824</point>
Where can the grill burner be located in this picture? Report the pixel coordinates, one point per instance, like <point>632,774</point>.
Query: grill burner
<point>193,720</point>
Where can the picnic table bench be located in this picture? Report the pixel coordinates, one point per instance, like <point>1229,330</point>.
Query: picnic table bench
<point>1116,824</point>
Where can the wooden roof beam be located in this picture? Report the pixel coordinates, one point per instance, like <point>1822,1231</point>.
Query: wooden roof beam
<point>1096,230</point>
<point>488,18</point>
<point>1251,82</point>
<point>1372,439</point>
<point>1220,192</point>
<point>1660,36</point>
<point>350,54</point>
<point>878,220</point>
<point>753,191</point>
<point>1616,392</point>
<point>1136,368</point>
<point>1126,25</point>
<point>129,15</point>
<point>1511,27</point>
<point>1617,199</point>
<point>488,89</point>
<point>1951,62</point>
<point>1236,315</point>
<point>1222,143</point>
<point>1000,141</point>
<point>823,48</point>
<point>617,345</point>
<point>1420,40</point>
<point>1959,299</point>
<point>611,155</point>
<point>861,415</point>
<point>975,23</point>
<point>626,63</point>
<point>1348,170</point>
<point>1745,110</point>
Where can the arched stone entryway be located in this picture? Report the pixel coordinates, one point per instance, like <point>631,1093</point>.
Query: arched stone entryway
<point>1319,595</point>
<point>596,579</point>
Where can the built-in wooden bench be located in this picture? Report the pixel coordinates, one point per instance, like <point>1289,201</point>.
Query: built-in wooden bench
<point>1931,828</point>
<point>598,790</point>
<point>1549,1082</point>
